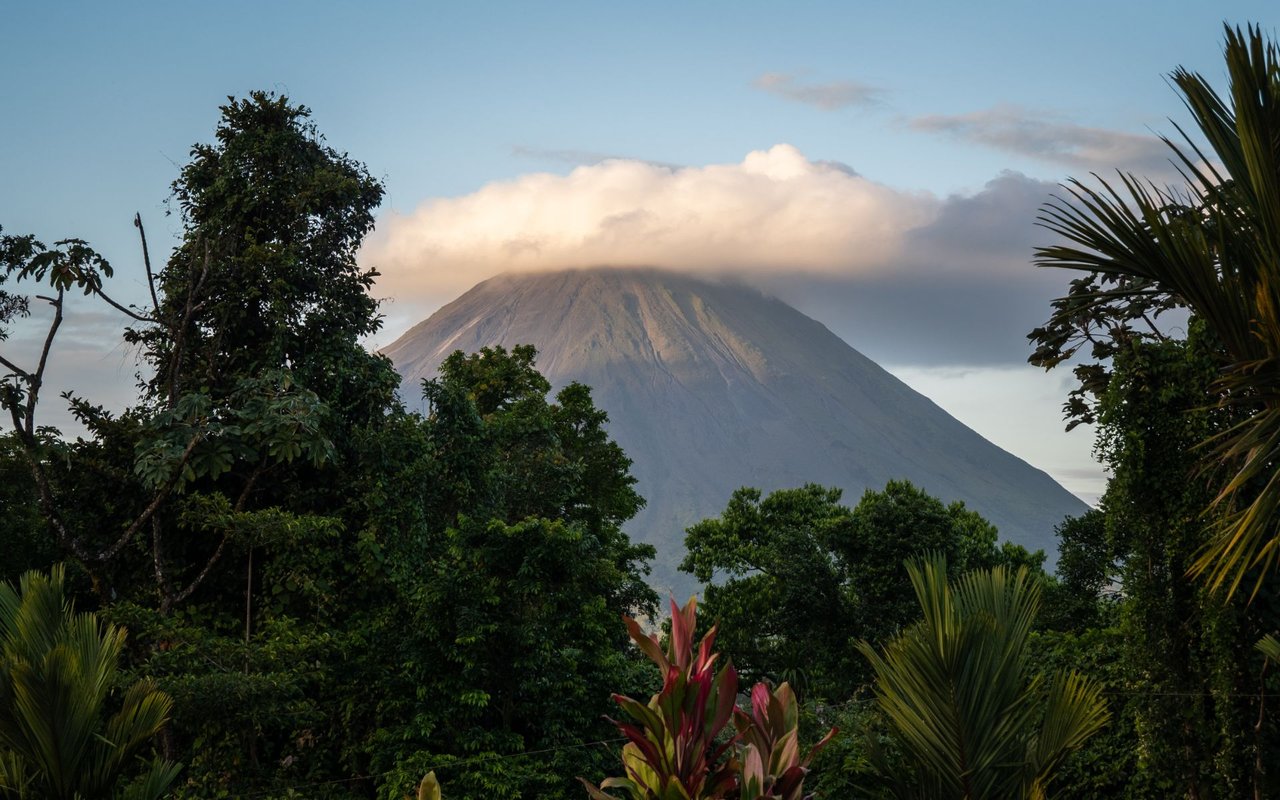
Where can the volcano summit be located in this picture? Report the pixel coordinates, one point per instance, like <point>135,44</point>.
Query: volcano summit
<point>713,386</point>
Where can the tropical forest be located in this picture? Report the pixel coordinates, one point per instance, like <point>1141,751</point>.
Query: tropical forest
<point>281,573</point>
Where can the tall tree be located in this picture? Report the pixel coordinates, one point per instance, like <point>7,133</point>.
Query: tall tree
<point>797,578</point>
<point>266,276</point>
<point>1196,685</point>
<point>335,592</point>
<point>511,587</point>
<point>1212,245</point>
<point>253,342</point>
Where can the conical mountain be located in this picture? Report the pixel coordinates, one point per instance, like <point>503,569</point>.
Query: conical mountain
<point>713,386</point>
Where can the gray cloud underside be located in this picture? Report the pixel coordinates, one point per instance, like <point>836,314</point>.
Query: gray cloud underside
<point>89,358</point>
<point>1046,138</point>
<point>963,292</point>
<point>830,96</point>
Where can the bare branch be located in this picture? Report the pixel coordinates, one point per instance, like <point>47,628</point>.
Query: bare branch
<point>157,559</point>
<point>45,492</point>
<point>179,331</point>
<point>15,369</point>
<point>146,261</point>
<point>1154,330</point>
<point>261,469</point>
<point>18,427</point>
<point>124,309</point>
<point>34,381</point>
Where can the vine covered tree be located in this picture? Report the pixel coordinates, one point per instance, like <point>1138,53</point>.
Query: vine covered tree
<point>1187,426</point>
<point>1212,246</point>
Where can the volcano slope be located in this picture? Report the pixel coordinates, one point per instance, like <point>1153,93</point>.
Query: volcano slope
<point>713,386</point>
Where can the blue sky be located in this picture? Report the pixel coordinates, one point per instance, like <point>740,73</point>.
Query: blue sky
<point>956,117</point>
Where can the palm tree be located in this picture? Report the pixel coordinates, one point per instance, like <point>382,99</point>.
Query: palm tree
<point>1269,646</point>
<point>57,677</point>
<point>958,691</point>
<point>1212,245</point>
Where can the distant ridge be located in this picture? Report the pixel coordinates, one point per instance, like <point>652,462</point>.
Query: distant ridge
<point>713,386</point>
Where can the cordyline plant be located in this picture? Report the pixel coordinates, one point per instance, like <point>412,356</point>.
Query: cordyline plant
<point>677,746</point>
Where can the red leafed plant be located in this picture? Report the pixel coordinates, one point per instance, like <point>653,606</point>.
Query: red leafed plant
<point>677,748</point>
<point>771,764</point>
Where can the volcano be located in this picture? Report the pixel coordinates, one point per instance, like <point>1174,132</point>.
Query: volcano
<point>713,386</point>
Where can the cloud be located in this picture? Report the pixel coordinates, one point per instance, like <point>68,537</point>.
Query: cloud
<point>576,157</point>
<point>906,277</point>
<point>89,358</point>
<point>831,96</point>
<point>1052,139</point>
<point>960,292</point>
<point>775,210</point>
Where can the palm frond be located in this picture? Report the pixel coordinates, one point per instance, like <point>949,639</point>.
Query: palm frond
<point>1215,246</point>
<point>57,679</point>
<point>960,694</point>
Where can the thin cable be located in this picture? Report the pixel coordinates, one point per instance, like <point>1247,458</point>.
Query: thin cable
<point>442,765</point>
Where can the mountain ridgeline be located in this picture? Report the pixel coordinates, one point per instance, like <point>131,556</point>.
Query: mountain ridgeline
<point>713,386</point>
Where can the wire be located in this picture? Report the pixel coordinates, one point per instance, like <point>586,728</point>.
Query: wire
<point>442,765</point>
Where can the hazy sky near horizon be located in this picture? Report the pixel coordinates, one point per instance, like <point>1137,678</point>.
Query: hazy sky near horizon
<point>878,165</point>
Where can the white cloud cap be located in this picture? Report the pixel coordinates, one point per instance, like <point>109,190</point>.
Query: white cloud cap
<point>776,210</point>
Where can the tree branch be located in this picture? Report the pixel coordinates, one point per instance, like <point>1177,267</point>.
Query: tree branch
<point>146,261</point>
<point>15,369</point>
<point>161,495</point>
<point>124,309</point>
<point>45,491</point>
<point>248,486</point>
<point>35,380</point>
<point>157,559</point>
<point>170,602</point>
<point>179,331</point>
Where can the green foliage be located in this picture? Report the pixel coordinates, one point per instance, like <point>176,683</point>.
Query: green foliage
<point>962,699</point>
<point>59,734</point>
<point>1209,245</point>
<point>266,274</point>
<point>800,577</point>
<point>1188,430</point>
<point>24,539</point>
<point>1269,646</point>
<point>784,601</point>
<point>12,306</point>
<point>520,569</point>
<point>903,522</point>
<point>1189,714</point>
<point>223,517</point>
<point>338,595</point>
<point>1186,655</point>
<point>267,421</point>
<point>1107,766</point>
<point>1086,573</point>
